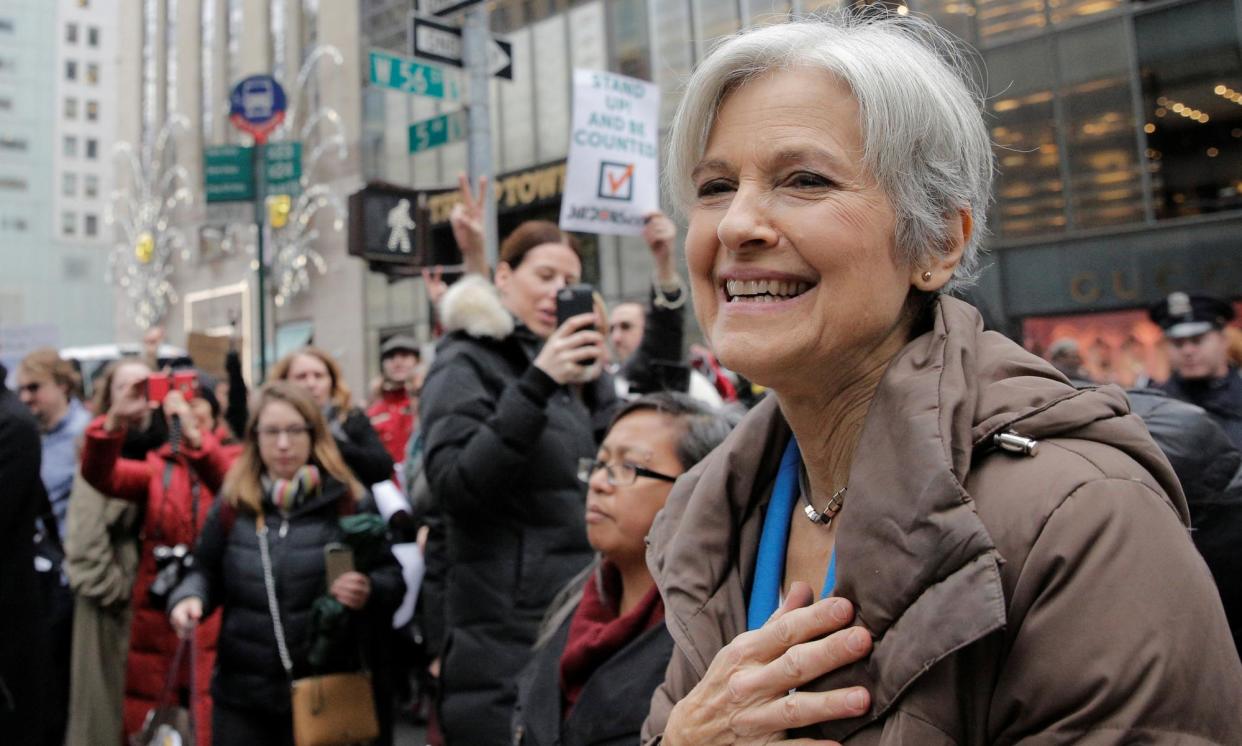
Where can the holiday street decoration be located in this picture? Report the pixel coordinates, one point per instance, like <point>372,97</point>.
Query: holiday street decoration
<point>148,237</point>
<point>293,235</point>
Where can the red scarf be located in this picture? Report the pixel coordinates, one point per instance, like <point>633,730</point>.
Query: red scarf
<point>596,632</point>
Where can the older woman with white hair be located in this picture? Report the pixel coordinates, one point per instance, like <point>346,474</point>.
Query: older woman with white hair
<point>1012,552</point>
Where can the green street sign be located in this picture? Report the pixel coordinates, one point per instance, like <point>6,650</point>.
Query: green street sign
<point>282,168</point>
<point>228,173</point>
<point>411,76</point>
<point>437,131</point>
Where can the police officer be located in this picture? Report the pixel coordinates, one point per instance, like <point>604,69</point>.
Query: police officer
<point>393,415</point>
<point>1198,353</point>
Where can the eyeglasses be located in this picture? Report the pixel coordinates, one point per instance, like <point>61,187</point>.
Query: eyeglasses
<point>619,475</point>
<point>274,433</point>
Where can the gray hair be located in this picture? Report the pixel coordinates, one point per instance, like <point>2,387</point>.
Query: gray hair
<point>704,426</point>
<point>924,136</point>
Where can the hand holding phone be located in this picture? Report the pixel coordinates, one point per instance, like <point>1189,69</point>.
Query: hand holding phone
<point>338,559</point>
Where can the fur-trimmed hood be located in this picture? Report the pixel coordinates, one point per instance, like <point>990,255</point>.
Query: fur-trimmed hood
<point>472,305</point>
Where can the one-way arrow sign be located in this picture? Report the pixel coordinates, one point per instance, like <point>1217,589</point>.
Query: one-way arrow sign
<point>438,41</point>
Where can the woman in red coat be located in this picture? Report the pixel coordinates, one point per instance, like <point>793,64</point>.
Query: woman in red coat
<point>177,487</point>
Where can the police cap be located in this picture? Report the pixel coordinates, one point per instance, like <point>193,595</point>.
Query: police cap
<point>1183,315</point>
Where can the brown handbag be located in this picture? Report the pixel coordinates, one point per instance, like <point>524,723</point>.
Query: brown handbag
<point>331,710</point>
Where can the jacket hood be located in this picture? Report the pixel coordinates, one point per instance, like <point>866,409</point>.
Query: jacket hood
<point>917,560</point>
<point>472,305</point>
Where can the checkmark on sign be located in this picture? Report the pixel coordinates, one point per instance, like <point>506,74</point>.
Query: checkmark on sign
<point>616,181</point>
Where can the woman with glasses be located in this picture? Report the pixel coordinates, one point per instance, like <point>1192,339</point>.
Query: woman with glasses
<point>604,647</point>
<point>291,483</point>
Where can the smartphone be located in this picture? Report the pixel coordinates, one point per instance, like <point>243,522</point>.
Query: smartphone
<point>338,559</point>
<point>186,382</point>
<point>574,300</point>
<point>157,387</point>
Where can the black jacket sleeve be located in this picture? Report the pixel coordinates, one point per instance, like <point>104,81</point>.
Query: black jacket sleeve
<point>238,410</point>
<point>663,335</point>
<point>21,455</point>
<point>205,579</point>
<point>477,442</point>
<point>363,451</point>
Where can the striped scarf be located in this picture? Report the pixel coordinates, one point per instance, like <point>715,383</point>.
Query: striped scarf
<point>287,494</point>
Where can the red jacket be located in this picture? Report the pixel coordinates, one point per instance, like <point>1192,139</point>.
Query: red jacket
<point>393,417</point>
<point>168,521</point>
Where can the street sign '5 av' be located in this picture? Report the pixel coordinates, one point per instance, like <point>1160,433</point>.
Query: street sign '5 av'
<point>437,131</point>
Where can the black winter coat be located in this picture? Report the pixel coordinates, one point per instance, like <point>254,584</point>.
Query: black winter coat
<point>362,449</point>
<point>24,642</point>
<point>1210,470</point>
<point>502,441</point>
<point>228,573</point>
<point>612,705</point>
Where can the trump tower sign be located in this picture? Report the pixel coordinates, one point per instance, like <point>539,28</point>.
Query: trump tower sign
<point>612,180</point>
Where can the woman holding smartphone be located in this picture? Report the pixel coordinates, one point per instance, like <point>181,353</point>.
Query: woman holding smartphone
<point>290,482</point>
<point>504,427</point>
<point>175,484</point>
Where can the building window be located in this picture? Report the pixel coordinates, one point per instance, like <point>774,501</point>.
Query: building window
<point>92,73</point>
<point>1189,65</point>
<point>6,103</point>
<point>90,186</point>
<point>15,144</point>
<point>91,225</point>
<point>70,148</point>
<point>92,111</point>
<point>71,70</point>
<point>69,223</point>
<point>69,184</point>
<point>12,184</point>
<point>71,108</point>
<point>92,36</point>
<point>92,148</point>
<point>14,224</point>
<point>84,3</point>
<point>1030,190</point>
<point>71,33</point>
<point>1105,180</point>
<point>6,25</point>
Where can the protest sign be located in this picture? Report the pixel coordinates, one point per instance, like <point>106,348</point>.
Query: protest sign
<point>612,179</point>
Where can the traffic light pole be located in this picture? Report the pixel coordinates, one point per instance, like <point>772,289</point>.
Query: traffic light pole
<point>475,39</point>
<point>259,221</point>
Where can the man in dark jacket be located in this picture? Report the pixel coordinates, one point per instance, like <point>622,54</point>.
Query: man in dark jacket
<point>24,644</point>
<point>1199,354</point>
<point>1210,470</point>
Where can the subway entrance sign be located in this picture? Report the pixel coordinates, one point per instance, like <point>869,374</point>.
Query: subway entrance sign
<point>228,173</point>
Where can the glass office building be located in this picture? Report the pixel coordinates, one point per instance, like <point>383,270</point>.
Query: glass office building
<point>1117,127</point>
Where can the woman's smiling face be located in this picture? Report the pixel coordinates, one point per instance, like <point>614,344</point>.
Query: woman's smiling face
<point>791,244</point>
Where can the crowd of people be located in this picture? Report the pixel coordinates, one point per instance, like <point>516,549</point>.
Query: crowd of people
<point>906,530</point>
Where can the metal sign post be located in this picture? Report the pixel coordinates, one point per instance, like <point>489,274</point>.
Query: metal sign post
<point>475,43</point>
<point>257,106</point>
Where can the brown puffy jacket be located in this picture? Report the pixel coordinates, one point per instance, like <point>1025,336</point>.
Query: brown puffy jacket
<point>1041,599</point>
